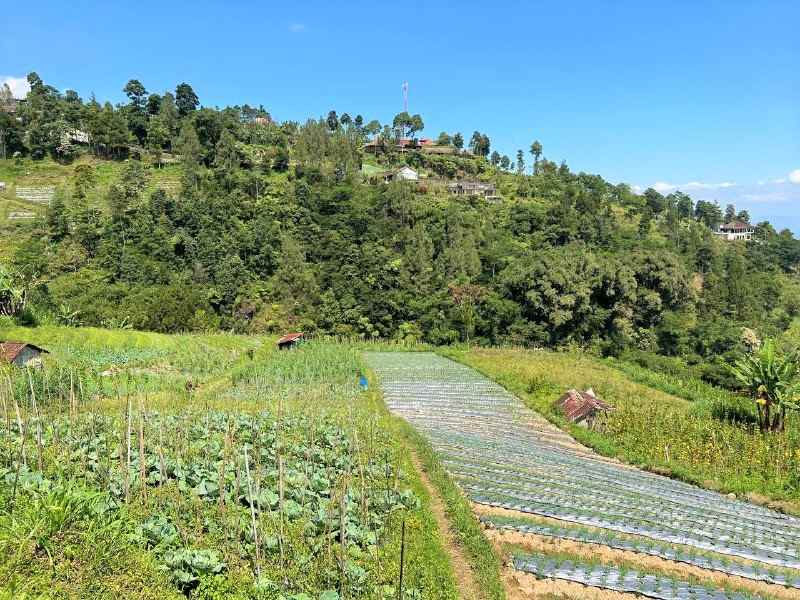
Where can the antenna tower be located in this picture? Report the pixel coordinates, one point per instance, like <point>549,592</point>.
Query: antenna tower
<point>405,96</point>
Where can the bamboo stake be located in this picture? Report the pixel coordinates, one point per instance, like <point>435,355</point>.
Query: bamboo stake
<point>142,458</point>
<point>38,422</point>
<point>127,450</point>
<point>6,416</point>
<point>402,559</point>
<point>21,429</point>
<point>342,538</point>
<point>162,469</point>
<point>252,514</point>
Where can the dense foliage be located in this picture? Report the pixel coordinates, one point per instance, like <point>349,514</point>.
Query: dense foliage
<point>279,225</point>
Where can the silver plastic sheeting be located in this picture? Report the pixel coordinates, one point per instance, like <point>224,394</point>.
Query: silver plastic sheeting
<point>503,454</point>
<point>649,585</point>
<point>747,571</point>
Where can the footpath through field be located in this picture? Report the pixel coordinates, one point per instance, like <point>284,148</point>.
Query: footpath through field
<point>513,464</point>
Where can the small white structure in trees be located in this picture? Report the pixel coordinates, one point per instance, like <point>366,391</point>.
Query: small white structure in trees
<point>403,174</point>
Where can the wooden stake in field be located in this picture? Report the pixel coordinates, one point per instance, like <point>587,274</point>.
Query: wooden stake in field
<point>142,458</point>
<point>253,514</point>
<point>343,538</point>
<point>38,422</point>
<point>402,560</point>
<point>127,449</point>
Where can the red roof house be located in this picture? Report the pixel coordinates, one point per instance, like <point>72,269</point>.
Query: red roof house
<point>289,340</point>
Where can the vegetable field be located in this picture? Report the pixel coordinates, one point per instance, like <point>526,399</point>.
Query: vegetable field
<point>208,467</point>
<point>535,488</point>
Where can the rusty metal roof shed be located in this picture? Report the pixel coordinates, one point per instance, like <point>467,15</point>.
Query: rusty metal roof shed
<point>9,351</point>
<point>289,339</point>
<point>579,406</point>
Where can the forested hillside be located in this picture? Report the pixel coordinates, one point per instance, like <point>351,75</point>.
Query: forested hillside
<point>172,217</point>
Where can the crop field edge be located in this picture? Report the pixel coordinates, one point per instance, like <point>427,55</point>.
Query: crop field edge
<point>483,559</point>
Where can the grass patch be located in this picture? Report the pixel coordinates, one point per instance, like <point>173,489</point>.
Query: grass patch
<point>485,563</point>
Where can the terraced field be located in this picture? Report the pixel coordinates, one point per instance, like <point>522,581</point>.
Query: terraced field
<point>557,511</point>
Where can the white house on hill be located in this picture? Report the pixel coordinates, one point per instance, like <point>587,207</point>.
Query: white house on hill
<point>736,231</point>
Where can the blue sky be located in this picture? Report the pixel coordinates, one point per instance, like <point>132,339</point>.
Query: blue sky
<point>700,95</point>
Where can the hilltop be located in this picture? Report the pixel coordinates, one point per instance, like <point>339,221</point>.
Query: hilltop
<point>168,216</point>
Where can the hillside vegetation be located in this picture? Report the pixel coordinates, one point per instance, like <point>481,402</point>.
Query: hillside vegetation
<point>175,217</point>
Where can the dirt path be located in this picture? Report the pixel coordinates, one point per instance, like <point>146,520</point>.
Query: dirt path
<point>467,586</point>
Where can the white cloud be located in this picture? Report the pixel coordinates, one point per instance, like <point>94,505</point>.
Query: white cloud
<point>794,176</point>
<point>774,197</point>
<point>297,28</point>
<point>663,186</point>
<point>19,85</point>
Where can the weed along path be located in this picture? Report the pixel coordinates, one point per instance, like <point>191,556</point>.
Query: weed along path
<point>560,513</point>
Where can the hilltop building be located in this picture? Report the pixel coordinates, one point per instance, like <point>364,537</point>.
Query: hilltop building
<point>378,144</point>
<point>474,188</point>
<point>736,231</point>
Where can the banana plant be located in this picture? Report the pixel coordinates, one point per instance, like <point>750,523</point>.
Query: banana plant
<point>772,378</point>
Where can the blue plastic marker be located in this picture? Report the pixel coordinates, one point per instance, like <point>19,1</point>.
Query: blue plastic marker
<point>362,381</point>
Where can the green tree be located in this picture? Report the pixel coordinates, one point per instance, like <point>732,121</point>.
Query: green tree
<point>772,377</point>
<point>168,113</point>
<point>136,93</point>
<point>188,145</point>
<point>495,158</point>
<point>407,125</point>
<point>536,152</point>
<point>186,100</point>
<point>373,127</point>
<point>157,138</point>
<point>520,162</point>
<point>332,121</point>
<point>153,104</point>
<point>708,213</point>
<point>57,223</point>
<point>684,205</point>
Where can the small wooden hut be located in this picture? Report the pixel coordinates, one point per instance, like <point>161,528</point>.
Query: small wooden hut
<point>290,340</point>
<point>21,354</point>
